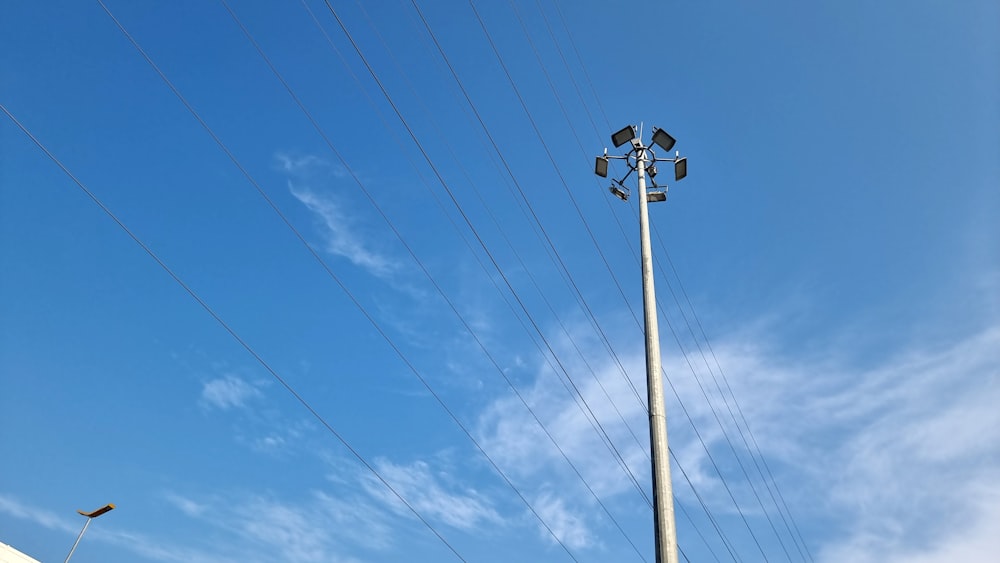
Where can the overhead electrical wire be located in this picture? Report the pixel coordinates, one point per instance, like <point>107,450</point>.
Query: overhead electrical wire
<point>582,301</point>
<point>527,270</point>
<point>463,321</point>
<point>514,86</point>
<point>330,272</point>
<point>726,542</point>
<point>759,451</point>
<point>473,229</point>
<point>722,427</point>
<point>215,316</point>
<point>694,372</point>
<point>721,476</point>
<point>469,179</point>
<point>579,58</point>
<point>583,103</point>
<point>527,203</point>
<point>797,536</point>
<point>511,288</point>
<point>370,319</point>
<point>590,117</point>
<point>555,167</point>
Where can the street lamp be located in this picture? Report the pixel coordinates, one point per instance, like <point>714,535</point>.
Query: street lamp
<point>642,160</point>
<point>90,516</point>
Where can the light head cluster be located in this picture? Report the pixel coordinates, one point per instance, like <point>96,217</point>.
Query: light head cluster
<point>637,153</point>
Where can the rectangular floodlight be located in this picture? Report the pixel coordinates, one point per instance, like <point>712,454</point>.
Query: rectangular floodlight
<point>619,193</point>
<point>680,168</point>
<point>601,166</point>
<point>656,196</point>
<point>623,136</point>
<point>663,139</point>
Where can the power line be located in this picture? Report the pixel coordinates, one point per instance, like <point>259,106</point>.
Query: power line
<point>566,116</point>
<point>746,423</point>
<point>458,314</point>
<point>718,420</point>
<point>717,384</point>
<point>726,542</point>
<point>586,74</point>
<point>330,272</point>
<point>562,107</point>
<point>472,228</point>
<point>243,343</point>
<point>781,513</point>
<point>485,128</point>
<point>562,180</point>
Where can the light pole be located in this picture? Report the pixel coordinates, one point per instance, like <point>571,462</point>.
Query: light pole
<point>90,516</point>
<point>642,160</point>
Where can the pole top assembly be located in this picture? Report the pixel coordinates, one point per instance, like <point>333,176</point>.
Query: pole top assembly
<point>645,154</point>
<point>642,160</point>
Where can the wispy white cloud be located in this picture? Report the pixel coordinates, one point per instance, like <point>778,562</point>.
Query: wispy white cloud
<point>303,165</point>
<point>269,443</point>
<point>515,439</point>
<point>341,236</point>
<point>920,455</point>
<point>435,495</point>
<point>189,507</point>
<point>228,392</point>
<point>897,456</point>
<point>340,229</point>
<point>139,544</point>
<point>568,526</point>
<point>894,455</point>
<point>316,528</point>
<point>13,507</point>
<point>512,435</point>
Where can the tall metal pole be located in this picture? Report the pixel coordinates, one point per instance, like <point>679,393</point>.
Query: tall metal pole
<point>663,494</point>
<point>77,542</point>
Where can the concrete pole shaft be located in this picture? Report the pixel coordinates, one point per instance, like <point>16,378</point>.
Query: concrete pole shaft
<point>663,497</point>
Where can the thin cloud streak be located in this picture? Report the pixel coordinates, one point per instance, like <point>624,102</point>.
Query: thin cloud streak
<point>228,392</point>
<point>340,236</point>
<point>433,495</point>
<point>138,544</point>
<point>317,528</point>
<point>904,450</point>
<point>10,505</point>
<point>339,230</point>
<point>566,524</point>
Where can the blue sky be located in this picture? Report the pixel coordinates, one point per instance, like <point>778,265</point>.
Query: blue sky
<point>833,257</point>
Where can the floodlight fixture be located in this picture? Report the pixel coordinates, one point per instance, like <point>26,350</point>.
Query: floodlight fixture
<point>625,135</point>
<point>663,139</point>
<point>656,196</point>
<point>651,171</point>
<point>619,193</point>
<point>601,166</point>
<point>680,168</point>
